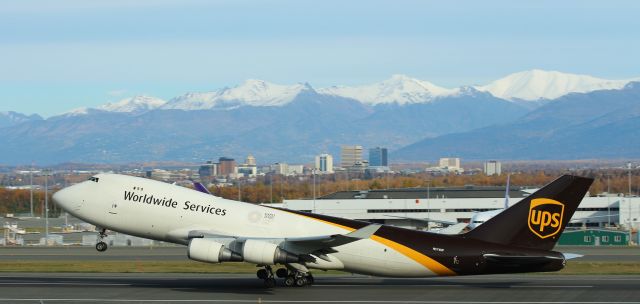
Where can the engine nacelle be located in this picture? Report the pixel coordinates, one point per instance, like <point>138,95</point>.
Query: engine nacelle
<point>265,253</point>
<point>209,251</point>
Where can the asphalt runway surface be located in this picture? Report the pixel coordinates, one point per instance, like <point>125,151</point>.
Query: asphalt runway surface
<point>172,288</point>
<point>179,253</point>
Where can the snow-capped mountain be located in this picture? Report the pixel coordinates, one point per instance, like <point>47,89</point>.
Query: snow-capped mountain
<point>10,118</point>
<point>398,89</point>
<point>256,93</point>
<point>132,105</point>
<point>530,89</point>
<point>295,122</point>
<point>538,84</point>
<point>137,104</point>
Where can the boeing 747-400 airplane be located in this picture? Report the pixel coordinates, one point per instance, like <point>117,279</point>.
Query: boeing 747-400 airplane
<point>215,230</point>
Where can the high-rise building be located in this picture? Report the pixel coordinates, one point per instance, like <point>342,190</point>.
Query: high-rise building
<point>247,171</point>
<point>280,168</point>
<point>227,166</point>
<point>378,157</point>
<point>450,163</point>
<point>492,167</point>
<point>208,170</point>
<point>350,156</point>
<point>324,163</point>
<point>251,161</point>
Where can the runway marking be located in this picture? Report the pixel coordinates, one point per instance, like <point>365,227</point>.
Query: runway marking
<point>386,285</point>
<point>450,285</point>
<point>69,284</point>
<point>319,285</point>
<point>259,300</point>
<point>544,286</point>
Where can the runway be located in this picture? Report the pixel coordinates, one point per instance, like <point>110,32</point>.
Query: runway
<point>172,288</point>
<point>179,253</point>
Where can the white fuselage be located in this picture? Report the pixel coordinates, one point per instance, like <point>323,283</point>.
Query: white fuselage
<point>160,211</point>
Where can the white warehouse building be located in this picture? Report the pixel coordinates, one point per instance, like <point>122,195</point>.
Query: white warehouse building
<point>397,206</point>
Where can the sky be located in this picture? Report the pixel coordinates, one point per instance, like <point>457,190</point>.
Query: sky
<point>59,55</point>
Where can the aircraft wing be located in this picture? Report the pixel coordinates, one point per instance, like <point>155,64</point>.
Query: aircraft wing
<point>453,229</point>
<point>301,245</point>
<point>312,244</point>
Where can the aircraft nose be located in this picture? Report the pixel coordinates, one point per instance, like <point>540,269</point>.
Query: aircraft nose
<point>64,198</point>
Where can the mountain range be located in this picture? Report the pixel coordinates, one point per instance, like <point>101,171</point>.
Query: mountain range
<point>527,115</point>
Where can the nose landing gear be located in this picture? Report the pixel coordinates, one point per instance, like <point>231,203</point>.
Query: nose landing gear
<point>101,246</point>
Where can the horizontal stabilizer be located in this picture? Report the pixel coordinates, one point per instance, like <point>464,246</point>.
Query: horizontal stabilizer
<point>518,260</point>
<point>569,256</point>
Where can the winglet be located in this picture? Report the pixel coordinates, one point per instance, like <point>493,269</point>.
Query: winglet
<point>364,232</point>
<point>200,187</point>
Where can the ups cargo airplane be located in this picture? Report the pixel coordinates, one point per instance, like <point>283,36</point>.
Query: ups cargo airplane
<point>216,230</point>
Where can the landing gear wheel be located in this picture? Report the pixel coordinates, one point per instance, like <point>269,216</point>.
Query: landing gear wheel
<point>310,279</point>
<point>101,246</point>
<point>301,281</point>
<point>262,274</point>
<point>289,281</point>
<point>270,282</point>
<point>282,273</point>
<point>267,275</point>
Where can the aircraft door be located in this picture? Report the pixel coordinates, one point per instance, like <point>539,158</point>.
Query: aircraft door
<point>114,208</point>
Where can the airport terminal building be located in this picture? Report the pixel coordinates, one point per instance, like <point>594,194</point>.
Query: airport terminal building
<point>409,207</point>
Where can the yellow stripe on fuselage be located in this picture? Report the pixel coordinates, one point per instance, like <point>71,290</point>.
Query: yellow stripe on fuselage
<point>423,259</point>
<point>431,264</point>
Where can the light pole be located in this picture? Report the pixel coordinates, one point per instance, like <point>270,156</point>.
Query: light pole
<point>31,190</point>
<point>629,202</point>
<point>46,206</point>
<point>609,199</point>
<point>428,197</point>
<point>313,172</point>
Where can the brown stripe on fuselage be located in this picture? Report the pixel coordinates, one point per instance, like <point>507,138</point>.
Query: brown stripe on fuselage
<point>409,244</point>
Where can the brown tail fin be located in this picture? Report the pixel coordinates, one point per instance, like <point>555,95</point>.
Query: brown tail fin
<point>537,220</point>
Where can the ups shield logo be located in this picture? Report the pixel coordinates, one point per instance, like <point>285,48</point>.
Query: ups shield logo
<point>545,217</point>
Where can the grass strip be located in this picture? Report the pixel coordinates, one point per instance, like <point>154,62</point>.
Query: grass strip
<point>146,266</point>
<point>596,268</point>
<point>125,267</point>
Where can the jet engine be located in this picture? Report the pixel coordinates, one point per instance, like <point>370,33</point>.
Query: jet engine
<point>209,251</point>
<point>264,253</point>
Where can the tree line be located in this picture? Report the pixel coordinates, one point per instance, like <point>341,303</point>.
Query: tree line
<point>276,188</point>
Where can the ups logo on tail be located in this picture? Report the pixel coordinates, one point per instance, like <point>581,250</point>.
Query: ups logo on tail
<point>545,217</point>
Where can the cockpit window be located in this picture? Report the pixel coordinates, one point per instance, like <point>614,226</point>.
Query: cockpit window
<point>93,179</point>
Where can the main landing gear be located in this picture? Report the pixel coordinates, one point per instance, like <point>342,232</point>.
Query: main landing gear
<point>267,275</point>
<point>101,246</point>
<point>291,278</point>
<point>295,278</point>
